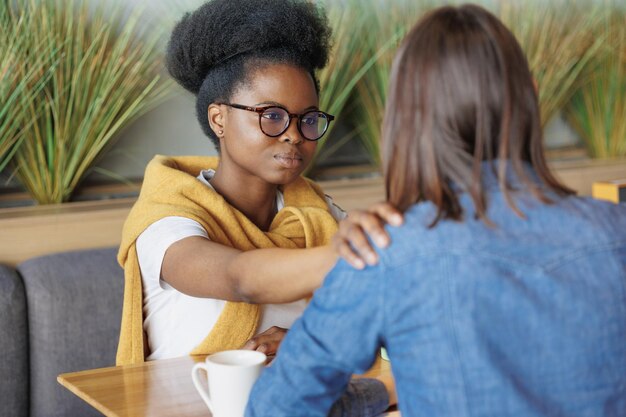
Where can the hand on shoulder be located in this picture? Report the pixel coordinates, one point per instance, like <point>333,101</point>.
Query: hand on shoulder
<point>351,240</point>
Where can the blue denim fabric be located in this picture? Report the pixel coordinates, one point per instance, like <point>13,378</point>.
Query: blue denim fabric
<point>527,318</point>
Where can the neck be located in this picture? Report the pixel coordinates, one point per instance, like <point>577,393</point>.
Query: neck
<point>255,198</point>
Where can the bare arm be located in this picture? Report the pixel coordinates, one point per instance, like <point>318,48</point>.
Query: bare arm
<point>201,268</point>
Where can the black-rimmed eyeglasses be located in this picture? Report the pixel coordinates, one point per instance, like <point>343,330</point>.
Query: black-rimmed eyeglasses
<point>275,120</point>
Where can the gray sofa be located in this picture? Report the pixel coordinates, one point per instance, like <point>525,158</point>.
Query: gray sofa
<point>58,313</point>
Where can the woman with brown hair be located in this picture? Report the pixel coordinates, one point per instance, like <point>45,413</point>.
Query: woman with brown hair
<point>502,294</point>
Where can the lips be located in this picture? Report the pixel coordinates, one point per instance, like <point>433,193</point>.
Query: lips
<point>289,160</point>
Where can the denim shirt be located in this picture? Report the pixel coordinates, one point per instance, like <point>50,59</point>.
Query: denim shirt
<point>527,318</point>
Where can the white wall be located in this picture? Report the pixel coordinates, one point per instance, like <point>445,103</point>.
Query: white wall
<point>170,129</point>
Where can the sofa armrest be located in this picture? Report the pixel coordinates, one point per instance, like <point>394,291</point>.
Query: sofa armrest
<point>13,345</point>
<point>74,310</point>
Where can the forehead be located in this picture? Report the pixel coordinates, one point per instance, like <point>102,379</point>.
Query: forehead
<point>291,86</point>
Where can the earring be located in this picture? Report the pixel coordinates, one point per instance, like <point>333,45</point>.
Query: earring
<point>221,132</point>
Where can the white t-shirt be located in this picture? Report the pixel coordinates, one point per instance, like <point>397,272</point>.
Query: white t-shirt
<point>175,322</point>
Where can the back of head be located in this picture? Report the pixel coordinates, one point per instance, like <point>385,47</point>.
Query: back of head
<point>461,93</point>
<point>214,49</point>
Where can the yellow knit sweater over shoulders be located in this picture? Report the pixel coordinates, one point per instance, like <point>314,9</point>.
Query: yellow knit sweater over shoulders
<point>171,188</point>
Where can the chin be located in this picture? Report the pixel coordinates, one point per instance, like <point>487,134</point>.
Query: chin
<point>284,178</point>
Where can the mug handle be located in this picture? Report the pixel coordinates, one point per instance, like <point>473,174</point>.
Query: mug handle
<point>196,382</point>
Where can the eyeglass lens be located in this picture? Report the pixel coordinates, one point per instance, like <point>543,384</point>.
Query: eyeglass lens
<point>275,120</point>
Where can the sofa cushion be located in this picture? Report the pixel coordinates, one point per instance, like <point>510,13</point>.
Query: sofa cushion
<point>74,311</point>
<point>13,345</point>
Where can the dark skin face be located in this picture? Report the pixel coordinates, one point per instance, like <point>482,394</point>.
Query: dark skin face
<point>252,164</point>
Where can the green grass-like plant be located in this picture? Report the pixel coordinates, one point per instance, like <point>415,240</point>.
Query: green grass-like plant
<point>348,63</point>
<point>388,22</point>
<point>105,73</point>
<point>17,84</point>
<point>598,110</point>
<point>560,42</point>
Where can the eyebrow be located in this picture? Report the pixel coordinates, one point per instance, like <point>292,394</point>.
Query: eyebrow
<point>274,103</point>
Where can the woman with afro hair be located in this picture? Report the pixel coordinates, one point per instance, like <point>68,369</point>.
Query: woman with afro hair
<point>222,253</point>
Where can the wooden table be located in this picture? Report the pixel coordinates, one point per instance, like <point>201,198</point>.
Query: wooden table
<point>157,388</point>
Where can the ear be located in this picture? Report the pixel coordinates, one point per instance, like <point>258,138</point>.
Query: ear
<point>217,119</point>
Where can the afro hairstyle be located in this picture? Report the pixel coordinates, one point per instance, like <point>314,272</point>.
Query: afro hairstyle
<point>213,50</point>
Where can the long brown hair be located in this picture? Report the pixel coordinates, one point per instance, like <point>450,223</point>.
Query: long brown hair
<point>461,93</point>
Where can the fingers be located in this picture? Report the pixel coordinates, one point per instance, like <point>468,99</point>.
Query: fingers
<point>268,341</point>
<point>351,241</point>
<point>343,248</point>
<point>374,226</point>
<point>388,213</point>
<point>270,360</point>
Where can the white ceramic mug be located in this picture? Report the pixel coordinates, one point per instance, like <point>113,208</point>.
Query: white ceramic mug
<point>231,375</point>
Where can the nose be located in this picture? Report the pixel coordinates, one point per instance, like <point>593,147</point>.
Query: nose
<point>292,134</point>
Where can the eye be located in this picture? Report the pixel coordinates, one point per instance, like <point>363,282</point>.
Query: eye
<point>310,119</point>
<point>273,114</point>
